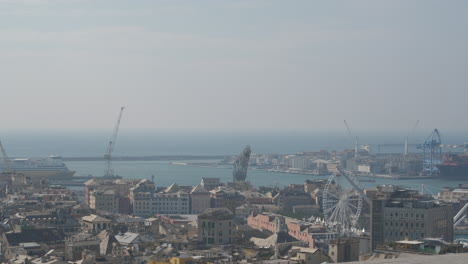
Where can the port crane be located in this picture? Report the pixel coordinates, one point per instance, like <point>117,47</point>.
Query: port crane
<point>432,153</point>
<point>110,148</point>
<point>241,164</point>
<point>6,160</point>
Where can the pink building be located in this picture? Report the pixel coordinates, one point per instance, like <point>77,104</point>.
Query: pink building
<point>305,231</point>
<point>301,231</point>
<point>263,221</point>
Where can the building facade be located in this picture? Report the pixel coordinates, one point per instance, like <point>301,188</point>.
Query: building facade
<point>216,226</point>
<point>200,199</point>
<point>107,200</point>
<point>146,202</point>
<point>142,197</point>
<point>344,250</point>
<point>95,223</point>
<point>414,219</point>
<point>287,198</point>
<point>171,203</point>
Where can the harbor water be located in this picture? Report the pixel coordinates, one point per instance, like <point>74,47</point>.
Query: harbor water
<point>87,144</point>
<point>166,173</point>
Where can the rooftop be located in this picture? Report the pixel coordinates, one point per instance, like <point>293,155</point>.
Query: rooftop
<point>216,213</point>
<point>210,180</point>
<point>95,218</point>
<point>173,188</point>
<point>38,235</point>
<point>421,259</point>
<point>126,238</point>
<point>305,249</point>
<point>199,189</point>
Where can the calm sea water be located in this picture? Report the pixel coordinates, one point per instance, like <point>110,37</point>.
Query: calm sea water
<point>42,144</point>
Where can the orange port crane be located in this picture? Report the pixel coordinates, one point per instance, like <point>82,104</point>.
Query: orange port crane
<point>110,148</point>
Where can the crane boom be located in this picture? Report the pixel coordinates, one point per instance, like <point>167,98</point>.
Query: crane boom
<point>356,143</point>
<point>6,159</point>
<point>414,127</point>
<point>363,195</point>
<point>347,128</point>
<point>110,148</point>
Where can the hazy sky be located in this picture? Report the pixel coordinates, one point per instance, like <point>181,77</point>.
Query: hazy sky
<point>233,65</point>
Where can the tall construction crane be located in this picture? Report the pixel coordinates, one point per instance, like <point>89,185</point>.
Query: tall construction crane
<point>6,160</point>
<point>410,133</point>
<point>356,145</point>
<point>110,148</point>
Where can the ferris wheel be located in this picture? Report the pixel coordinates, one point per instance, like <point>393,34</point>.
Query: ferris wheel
<point>342,202</point>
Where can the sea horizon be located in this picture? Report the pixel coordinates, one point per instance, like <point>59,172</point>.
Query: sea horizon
<point>73,144</point>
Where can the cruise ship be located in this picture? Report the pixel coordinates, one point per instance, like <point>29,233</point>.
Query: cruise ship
<point>52,167</point>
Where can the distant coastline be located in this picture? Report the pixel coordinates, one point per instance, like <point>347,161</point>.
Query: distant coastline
<point>148,158</point>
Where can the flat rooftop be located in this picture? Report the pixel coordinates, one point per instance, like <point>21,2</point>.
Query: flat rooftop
<point>422,259</point>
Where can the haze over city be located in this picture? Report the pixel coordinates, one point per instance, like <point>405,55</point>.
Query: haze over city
<point>233,132</point>
<point>233,65</point>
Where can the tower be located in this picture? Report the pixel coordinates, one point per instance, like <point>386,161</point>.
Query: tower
<point>280,223</point>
